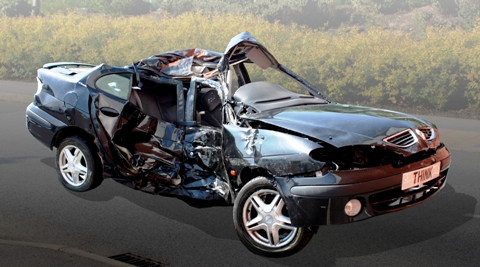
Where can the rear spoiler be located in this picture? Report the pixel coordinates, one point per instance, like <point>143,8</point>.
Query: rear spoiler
<point>66,64</point>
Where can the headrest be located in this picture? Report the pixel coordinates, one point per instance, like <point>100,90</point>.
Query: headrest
<point>208,101</point>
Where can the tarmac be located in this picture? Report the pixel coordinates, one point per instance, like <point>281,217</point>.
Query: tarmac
<point>19,253</point>
<point>461,134</point>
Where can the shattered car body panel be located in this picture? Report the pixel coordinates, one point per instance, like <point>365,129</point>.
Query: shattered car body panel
<point>269,150</point>
<point>162,157</point>
<point>183,63</point>
<point>175,124</point>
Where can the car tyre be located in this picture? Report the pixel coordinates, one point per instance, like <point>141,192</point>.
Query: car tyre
<point>262,222</point>
<point>78,166</point>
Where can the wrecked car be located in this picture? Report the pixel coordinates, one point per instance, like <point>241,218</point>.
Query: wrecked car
<point>194,124</point>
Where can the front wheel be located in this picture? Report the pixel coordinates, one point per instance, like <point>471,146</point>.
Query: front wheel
<point>262,221</point>
<point>77,164</point>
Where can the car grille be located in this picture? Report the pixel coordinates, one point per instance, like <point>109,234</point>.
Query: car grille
<point>402,139</point>
<point>394,199</point>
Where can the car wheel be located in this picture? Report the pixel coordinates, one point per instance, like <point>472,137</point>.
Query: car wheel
<point>262,222</point>
<point>77,164</point>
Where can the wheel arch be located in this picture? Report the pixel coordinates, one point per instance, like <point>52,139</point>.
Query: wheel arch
<point>244,216</point>
<point>249,173</point>
<point>83,169</point>
<point>69,131</point>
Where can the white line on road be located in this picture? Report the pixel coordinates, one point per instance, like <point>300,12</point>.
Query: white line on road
<point>69,250</point>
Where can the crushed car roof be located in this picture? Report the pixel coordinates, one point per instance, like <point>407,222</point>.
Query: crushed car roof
<point>187,62</point>
<point>206,63</point>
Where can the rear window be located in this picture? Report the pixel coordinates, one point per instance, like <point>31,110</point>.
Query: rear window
<point>117,84</point>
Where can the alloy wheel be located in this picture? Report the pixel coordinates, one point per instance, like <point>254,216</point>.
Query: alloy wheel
<point>73,165</point>
<point>266,219</point>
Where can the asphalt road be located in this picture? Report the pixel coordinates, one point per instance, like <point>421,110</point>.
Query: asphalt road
<point>37,210</point>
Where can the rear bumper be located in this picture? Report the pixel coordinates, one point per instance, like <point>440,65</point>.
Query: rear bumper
<point>321,201</point>
<point>42,125</point>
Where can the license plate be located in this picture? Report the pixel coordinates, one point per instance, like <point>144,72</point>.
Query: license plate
<point>420,176</point>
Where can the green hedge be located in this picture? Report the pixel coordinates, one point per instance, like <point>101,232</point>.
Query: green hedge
<point>377,66</point>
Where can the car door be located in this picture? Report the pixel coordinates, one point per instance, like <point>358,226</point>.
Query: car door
<point>205,173</point>
<point>138,145</point>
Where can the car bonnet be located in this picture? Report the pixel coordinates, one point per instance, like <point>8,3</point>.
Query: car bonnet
<point>341,125</point>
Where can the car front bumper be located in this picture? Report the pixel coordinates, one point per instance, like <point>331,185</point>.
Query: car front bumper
<point>313,201</point>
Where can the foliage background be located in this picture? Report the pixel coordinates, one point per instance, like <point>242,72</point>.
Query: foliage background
<point>378,65</point>
<point>323,14</point>
<point>436,66</point>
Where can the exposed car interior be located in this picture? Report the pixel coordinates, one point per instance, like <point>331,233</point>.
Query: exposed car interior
<point>209,107</point>
<point>160,101</point>
<point>156,100</point>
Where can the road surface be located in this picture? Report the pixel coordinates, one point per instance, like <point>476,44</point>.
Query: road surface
<point>43,224</point>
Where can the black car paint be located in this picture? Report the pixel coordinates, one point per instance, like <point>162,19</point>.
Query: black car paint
<point>317,201</point>
<point>341,125</point>
<point>202,157</point>
<point>279,153</point>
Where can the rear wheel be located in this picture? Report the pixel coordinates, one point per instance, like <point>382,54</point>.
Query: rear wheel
<point>262,221</point>
<point>77,164</point>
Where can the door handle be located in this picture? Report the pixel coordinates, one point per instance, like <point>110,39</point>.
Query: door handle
<point>110,112</point>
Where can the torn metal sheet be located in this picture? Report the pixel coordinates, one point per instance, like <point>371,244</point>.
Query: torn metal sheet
<point>270,150</point>
<point>183,63</point>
